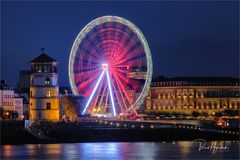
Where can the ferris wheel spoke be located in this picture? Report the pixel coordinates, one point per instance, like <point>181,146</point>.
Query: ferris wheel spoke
<point>90,74</point>
<point>123,45</point>
<point>129,100</point>
<point>123,89</point>
<point>127,45</point>
<point>115,46</point>
<point>120,91</point>
<point>134,55</point>
<point>120,70</point>
<point>86,86</point>
<point>118,97</point>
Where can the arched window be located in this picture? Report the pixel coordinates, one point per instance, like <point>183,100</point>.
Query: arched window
<point>179,103</point>
<point>210,104</point>
<point>185,103</point>
<point>199,103</point>
<point>215,104</point>
<point>238,104</point>
<point>233,104</point>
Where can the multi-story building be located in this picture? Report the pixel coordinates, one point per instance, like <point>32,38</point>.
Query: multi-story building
<point>44,89</point>
<point>10,100</point>
<point>187,94</point>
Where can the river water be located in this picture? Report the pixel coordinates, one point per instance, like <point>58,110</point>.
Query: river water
<point>123,150</point>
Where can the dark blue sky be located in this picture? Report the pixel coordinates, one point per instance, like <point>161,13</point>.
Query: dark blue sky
<point>185,38</point>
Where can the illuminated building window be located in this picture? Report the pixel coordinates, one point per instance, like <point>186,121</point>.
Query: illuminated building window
<point>185,103</point>
<point>46,68</point>
<point>48,93</point>
<point>210,104</point>
<point>47,80</point>
<point>38,68</point>
<point>215,103</point>
<point>48,105</point>
<point>238,105</point>
<point>179,103</point>
<point>199,103</point>
<point>166,103</point>
<point>161,104</point>
<point>191,103</point>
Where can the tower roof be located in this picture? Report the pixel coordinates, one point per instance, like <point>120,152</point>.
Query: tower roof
<point>43,58</point>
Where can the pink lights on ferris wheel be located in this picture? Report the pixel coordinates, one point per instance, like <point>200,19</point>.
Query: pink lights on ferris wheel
<point>121,44</point>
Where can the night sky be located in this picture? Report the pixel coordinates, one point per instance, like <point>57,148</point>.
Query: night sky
<point>185,38</point>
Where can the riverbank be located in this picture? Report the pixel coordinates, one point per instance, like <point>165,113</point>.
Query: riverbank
<point>15,133</point>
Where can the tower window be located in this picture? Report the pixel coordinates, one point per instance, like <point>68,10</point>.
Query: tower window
<point>46,68</point>
<point>39,68</point>
<point>48,93</point>
<point>47,80</point>
<point>30,93</point>
<point>48,105</point>
<point>32,80</point>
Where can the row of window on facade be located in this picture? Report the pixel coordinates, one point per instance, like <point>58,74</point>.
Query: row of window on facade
<point>194,107</point>
<point>8,96</point>
<point>201,93</point>
<point>47,93</point>
<point>44,68</point>
<point>8,103</point>
<point>182,83</point>
<point>48,105</point>
<point>47,81</point>
<point>199,103</point>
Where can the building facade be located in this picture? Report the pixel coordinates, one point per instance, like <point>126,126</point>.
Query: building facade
<point>10,100</point>
<point>187,94</point>
<point>44,89</point>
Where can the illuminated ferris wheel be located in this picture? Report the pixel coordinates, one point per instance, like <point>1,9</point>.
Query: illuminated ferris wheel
<point>110,64</point>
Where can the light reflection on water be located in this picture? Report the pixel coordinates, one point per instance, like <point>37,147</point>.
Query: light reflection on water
<point>118,150</point>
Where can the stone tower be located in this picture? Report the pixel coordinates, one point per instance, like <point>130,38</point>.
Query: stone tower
<point>44,89</point>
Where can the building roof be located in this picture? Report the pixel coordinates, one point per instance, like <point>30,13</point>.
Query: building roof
<point>43,58</point>
<point>195,79</point>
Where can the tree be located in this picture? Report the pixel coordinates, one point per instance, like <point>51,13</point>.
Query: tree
<point>69,105</point>
<point>218,114</point>
<point>195,114</point>
<point>204,114</point>
<point>231,112</point>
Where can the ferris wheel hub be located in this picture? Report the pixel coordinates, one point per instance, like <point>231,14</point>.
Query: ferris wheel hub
<point>105,66</point>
